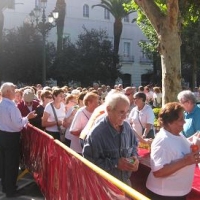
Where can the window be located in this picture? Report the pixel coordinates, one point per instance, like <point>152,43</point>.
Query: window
<point>126,18</point>
<point>127,48</point>
<point>106,14</point>
<point>85,10</point>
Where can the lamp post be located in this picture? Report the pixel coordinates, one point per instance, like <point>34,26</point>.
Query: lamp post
<point>43,27</point>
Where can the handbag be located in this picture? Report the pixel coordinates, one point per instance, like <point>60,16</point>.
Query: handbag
<point>150,134</point>
<point>61,131</point>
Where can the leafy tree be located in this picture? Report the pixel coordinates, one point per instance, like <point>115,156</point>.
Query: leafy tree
<point>22,55</point>
<point>166,18</point>
<point>116,8</point>
<point>150,47</point>
<point>86,61</point>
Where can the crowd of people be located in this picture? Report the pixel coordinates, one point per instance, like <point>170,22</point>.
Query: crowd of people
<point>104,125</point>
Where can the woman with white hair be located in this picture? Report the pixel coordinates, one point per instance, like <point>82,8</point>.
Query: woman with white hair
<point>192,113</point>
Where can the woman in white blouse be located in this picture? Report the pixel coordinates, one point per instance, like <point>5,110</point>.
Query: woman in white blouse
<point>49,120</point>
<point>142,117</point>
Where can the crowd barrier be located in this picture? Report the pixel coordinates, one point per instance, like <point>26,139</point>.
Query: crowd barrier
<point>62,174</point>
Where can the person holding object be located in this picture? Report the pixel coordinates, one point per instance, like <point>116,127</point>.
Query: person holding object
<point>171,158</point>
<point>11,123</point>
<point>111,144</point>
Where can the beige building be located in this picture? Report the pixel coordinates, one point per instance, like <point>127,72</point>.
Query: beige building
<point>80,13</point>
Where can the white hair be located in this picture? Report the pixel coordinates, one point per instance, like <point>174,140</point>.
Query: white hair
<point>186,95</point>
<point>6,86</point>
<point>112,99</point>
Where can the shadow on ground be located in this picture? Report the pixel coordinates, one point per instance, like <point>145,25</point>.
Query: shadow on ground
<point>27,190</point>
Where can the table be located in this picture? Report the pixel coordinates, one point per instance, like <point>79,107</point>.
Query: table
<point>138,179</point>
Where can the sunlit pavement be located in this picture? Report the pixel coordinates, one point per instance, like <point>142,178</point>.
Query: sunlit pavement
<point>27,190</point>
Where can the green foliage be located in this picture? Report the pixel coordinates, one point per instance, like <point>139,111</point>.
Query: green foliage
<point>88,60</point>
<point>21,58</point>
<point>156,112</point>
<point>116,7</point>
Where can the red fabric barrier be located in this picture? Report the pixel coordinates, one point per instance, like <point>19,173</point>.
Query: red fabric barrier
<point>36,148</point>
<point>139,178</point>
<point>60,174</point>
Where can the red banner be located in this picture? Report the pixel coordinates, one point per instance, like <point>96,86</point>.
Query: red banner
<point>63,174</point>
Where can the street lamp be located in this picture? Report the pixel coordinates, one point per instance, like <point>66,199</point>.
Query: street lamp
<point>43,27</point>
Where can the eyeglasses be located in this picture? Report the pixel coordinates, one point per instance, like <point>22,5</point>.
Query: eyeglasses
<point>121,113</point>
<point>74,102</point>
<point>49,97</point>
<point>128,94</point>
<point>183,102</point>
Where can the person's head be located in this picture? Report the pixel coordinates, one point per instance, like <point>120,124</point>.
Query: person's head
<point>91,101</point>
<point>28,96</point>
<point>75,92</point>
<point>157,90</point>
<point>171,117</point>
<point>129,91</point>
<point>187,99</point>
<point>58,94</point>
<point>18,95</point>
<point>117,107</point>
<point>141,89</point>
<point>95,86</point>
<point>65,89</point>
<point>99,91</point>
<point>80,98</point>
<point>146,89</point>
<point>139,99</point>
<point>8,90</point>
<point>71,100</point>
<point>46,96</point>
<point>120,87</point>
<point>38,94</point>
<point>47,88</point>
<point>39,87</point>
<point>108,88</point>
<point>104,88</point>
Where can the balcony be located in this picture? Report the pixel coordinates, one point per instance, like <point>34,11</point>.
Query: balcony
<point>126,58</point>
<point>145,61</point>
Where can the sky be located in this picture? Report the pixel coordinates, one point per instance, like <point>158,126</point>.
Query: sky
<point>16,17</point>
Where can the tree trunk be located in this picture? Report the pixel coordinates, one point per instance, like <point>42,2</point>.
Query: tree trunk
<point>117,34</point>
<point>171,65</point>
<point>194,73</point>
<point>167,28</point>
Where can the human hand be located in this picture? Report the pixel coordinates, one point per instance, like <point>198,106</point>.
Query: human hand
<point>192,158</point>
<point>60,123</point>
<point>73,112</point>
<point>148,140</point>
<point>128,164</point>
<point>31,115</point>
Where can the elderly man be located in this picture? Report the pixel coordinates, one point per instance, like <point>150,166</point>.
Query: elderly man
<point>11,123</point>
<point>111,143</point>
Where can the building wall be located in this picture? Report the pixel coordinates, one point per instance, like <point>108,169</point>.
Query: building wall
<point>74,22</point>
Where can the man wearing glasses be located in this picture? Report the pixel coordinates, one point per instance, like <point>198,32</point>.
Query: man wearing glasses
<point>111,144</point>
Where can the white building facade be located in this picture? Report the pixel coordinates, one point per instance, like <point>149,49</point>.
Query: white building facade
<point>80,13</point>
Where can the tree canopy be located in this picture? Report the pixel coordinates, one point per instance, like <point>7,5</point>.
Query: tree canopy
<point>88,60</point>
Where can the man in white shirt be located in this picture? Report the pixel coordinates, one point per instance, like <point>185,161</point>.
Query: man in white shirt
<point>11,123</point>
